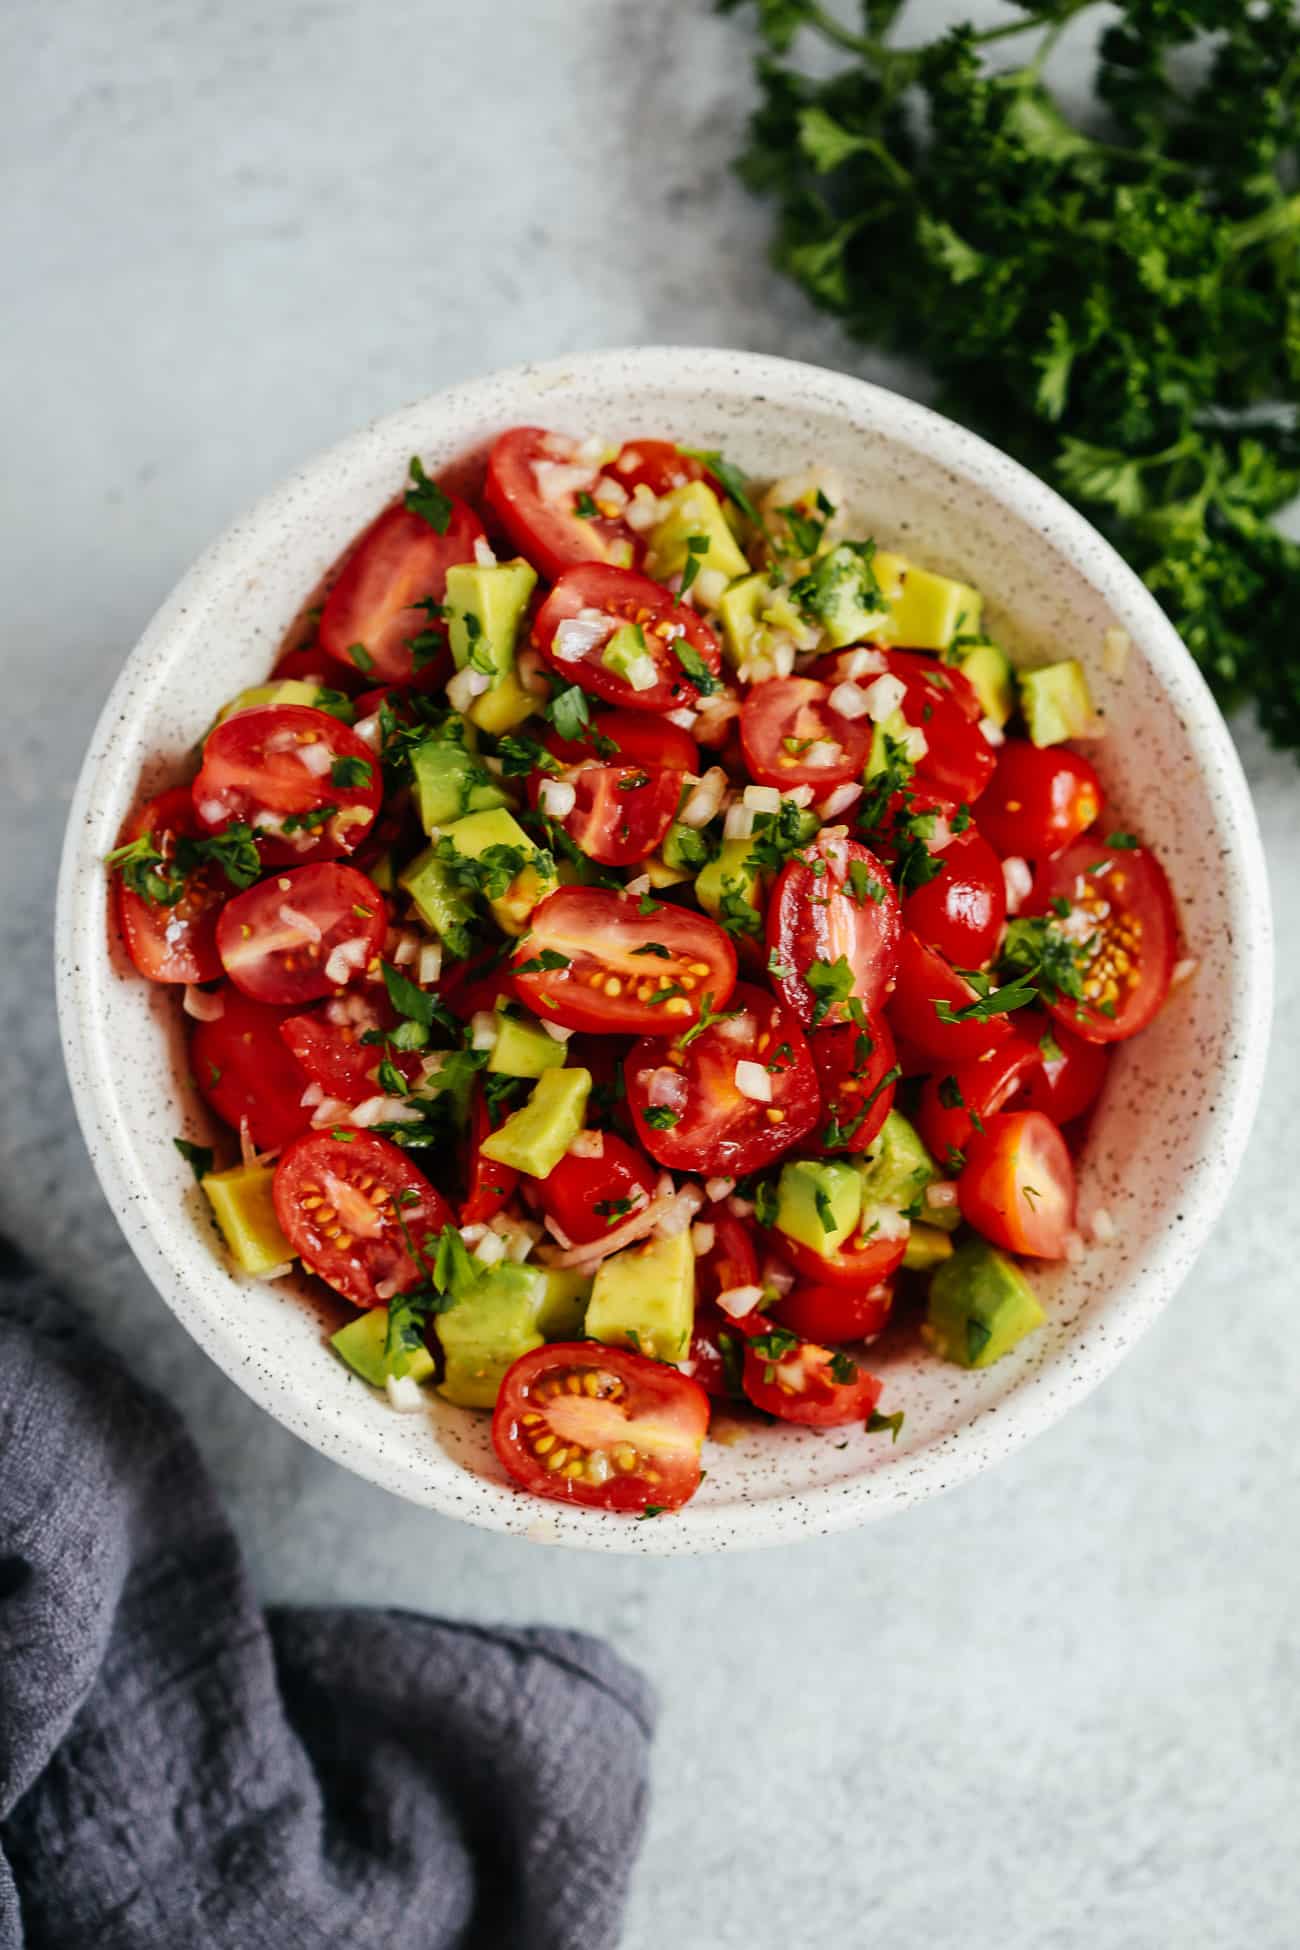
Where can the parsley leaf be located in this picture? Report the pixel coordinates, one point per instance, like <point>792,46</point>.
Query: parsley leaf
<point>427,500</point>
<point>347,772</point>
<point>568,711</point>
<point>697,547</point>
<point>831,983</point>
<point>197,1156</point>
<point>660,1117</point>
<point>695,667</point>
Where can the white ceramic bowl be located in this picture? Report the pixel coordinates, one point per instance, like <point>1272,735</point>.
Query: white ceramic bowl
<point>1178,1102</point>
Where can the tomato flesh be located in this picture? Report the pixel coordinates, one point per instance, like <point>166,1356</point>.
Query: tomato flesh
<point>657,465</point>
<point>628,738</point>
<point>925,979</point>
<point>1040,799</point>
<point>622,972</point>
<point>488,1185</point>
<point>587,1196</point>
<point>858,1263</point>
<point>601,1426</point>
<point>800,1386</point>
<point>950,1104</point>
<point>327,1041</point>
<point>1120,900</point>
<point>1017,1187</point>
<point>243,1070</point>
<point>856,1073</point>
<point>792,735</point>
<point>358,1213</point>
<point>609,598</point>
<point>620,812</point>
<point>832,903</point>
<point>372,620</point>
<point>299,935</point>
<point>837,1313</point>
<point>176,943</point>
<point>730,1261</point>
<point>1064,1086</point>
<point>961,910</point>
<point>942,705</point>
<point>274,768</point>
<point>532,489</point>
<point>715,1126</point>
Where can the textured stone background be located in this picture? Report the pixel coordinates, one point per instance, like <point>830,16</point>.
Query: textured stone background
<point>1060,1707</point>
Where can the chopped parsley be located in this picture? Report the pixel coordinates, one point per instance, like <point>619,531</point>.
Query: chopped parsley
<point>831,983</point>
<point>427,500</point>
<point>876,1422</point>
<point>697,547</point>
<point>659,1117</point>
<point>349,772</point>
<point>696,669</point>
<point>543,962</point>
<point>361,657</point>
<point>197,1156</point>
<point>568,711</point>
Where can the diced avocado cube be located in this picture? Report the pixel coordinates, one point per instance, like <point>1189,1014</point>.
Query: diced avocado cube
<point>245,1211</point>
<point>926,611</point>
<point>685,848</point>
<point>523,1048</point>
<point>289,690</point>
<point>980,1306</point>
<point>439,900</point>
<point>506,705</point>
<point>563,1305</point>
<point>740,613</point>
<point>731,873</point>
<point>661,875</point>
<point>895,726</point>
<point>383,872</point>
<point>361,1344</point>
<point>992,678</point>
<point>472,837</point>
<point>450,782</point>
<point>1057,703</point>
<point>644,1298</point>
<point>535,1137</point>
<point>627,654</point>
<point>687,512</point>
<point>926,1247</point>
<point>817,1203</point>
<point>839,594</point>
<point>486,1330</point>
<point>895,1169</point>
<point>485,604</point>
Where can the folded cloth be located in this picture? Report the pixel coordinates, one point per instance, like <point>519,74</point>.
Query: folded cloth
<point>181,1771</point>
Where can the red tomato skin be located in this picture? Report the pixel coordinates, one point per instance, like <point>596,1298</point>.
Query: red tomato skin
<point>553,538</point>
<point>1018,1149</point>
<point>621,812</point>
<point>307,660</point>
<point>798,708</point>
<point>708,1368</point>
<point>984,1086</point>
<point>961,911</point>
<point>941,703</point>
<point>847,1086</point>
<point>837,1313</point>
<point>852,1266</point>
<point>571,1192</point>
<point>925,978</point>
<point>821,1403</point>
<point>351,1262</point>
<point>813,917</point>
<point>242,1069</point>
<point>658,465</point>
<point>1039,801</point>
<point>333,1055</point>
<point>343,903</point>
<point>630,597</point>
<point>172,944</point>
<point>668,1395</point>
<point>398,561</point>
<point>731,1260</point>
<point>1135,889</point>
<point>641,738</point>
<point>237,780</point>
<point>488,1186</point>
<point>478,983</point>
<point>720,1131</point>
<point>591,922</point>
<point>1064,1087</point>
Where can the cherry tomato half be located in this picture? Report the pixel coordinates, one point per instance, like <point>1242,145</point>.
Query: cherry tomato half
<point>962,909</point>
<point>358,1213</point>
<point>620,971</point>
<point>620,812</point>
<point>327,1041</point>
<point>837,1313</point>
<point>488,1185</point>
<point>709,1365</point>
<point>792,736</point>
<point>1017,1187</point>
<point>730,1261</point>
<point>371,621</point>
<point>950,1103</point>
<point>802,1386</point>
<point>304,782</point>
<point>176,941</point>
<point>1063,1086</point>
<point>689,1108</point>
<point>628,1437</point>
<point>858,1263</point>
<point>1039,800</point>
<point>243,1070</point>
<point>925,980</point>
<point>856,1071</point>
<point>1121,895</point>
<point>832,903</point>
<point>676,638</point>
<point>532,489</point>
<point>587,1196</point>
<point>628,738</point>
<point>658,465</point>
<point>942,705</point>
<point>299,935</point>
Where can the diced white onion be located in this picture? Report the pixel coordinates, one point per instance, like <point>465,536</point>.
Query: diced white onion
<point>588,1144</point>
<point>280,1272</point>
<point>491,1249</point>
<point>886,1223</point>
<point>710,586</point>
<point>940,1195</point>
<point>557,1031</point>
<point>706,798</point>
<point>1115,646</point>
<point>484,554</point>
<point>666,1089</point>
<point>752,1081</point>
<point>1018,881</point>
<point>683,717</point>
<point>850,700</point>
<point>739,823</point>
<point>884,696</point>
<point>800,795</point>
<point>823,751</point>
<point>383,1110</point>
<point>641,885</point>
<point>472,1234</point>
<point>557,798</point>
<point>430,961</point>
<point>530,669</point>
<point>343,959</point>
<point>1074,1248</point>
<point>783,655</point>
<point>212,812</point>
<point>702,1238</point>
<point>993,732</point>
<point>311,1096</point>
<point>1184,970</point>
<point>203,1008</point>
<point>403,1392</point>
<point>331,1110</point>
<point>484,1027</point>
<point>1104,1228</point>
<point>302,924</point>
<point>557,479</point>
<point>716,1189</point>
<point>642,511</point>
<point>861,663</point>
<point>915,743</point>
<point>680,1211</point>
<point>840,799</point>
<point>316,756</point>
<point>368,730</point>
<point>465,686</point>
<point>740,1208</point>
<point>576,635</point>
<point>777,1277</point>
<point>737,1301</point>
<point>642,672</point>
<point>762,798</point>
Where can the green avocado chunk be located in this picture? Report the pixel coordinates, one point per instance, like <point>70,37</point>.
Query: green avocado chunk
<point>837,591</point>
<point>450,782</point>
<point>896,1168</point>
<point>688,513</point>
<point>1057,703</point>
<point>926,1247</point>
<point>988,671</point>
<point>644,1298</point>
<point>475,834</point>
<point>731,873</point>
<point>534,1138</point>
<point>563,1305</point>
<point>523,1048</point>
<point>685,849</point>
<point>486,1330</point>
<point>981,1305</point>
<point>288,690</point>
<point>818,1203</point>
<point>439,899</point>
<point>361,1344</point>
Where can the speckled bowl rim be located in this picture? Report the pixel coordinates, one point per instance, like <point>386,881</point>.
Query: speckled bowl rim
<point>1053,1388</point>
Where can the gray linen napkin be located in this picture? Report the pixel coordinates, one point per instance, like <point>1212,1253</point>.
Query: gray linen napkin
<point>181,1771</point>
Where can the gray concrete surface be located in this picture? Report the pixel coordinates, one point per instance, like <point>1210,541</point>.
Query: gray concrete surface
<point>1058,1708</point>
